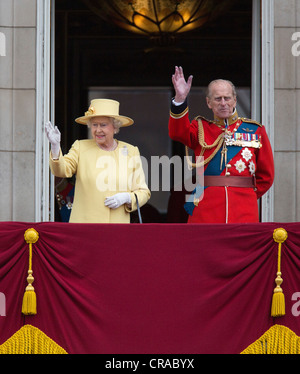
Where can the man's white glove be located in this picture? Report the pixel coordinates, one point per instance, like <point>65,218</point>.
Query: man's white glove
<point>115,201</point>
<point>53,135</point>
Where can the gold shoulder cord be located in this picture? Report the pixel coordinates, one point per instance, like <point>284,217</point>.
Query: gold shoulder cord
<point>204,146</point>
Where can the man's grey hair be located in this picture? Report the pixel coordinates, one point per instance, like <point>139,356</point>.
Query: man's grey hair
<point>208,90</point>
<point>116,123</point>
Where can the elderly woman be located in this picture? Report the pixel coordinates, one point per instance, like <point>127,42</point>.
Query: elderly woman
<point>109,173</point>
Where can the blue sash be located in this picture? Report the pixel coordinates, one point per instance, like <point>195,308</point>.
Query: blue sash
<point>213,167</point>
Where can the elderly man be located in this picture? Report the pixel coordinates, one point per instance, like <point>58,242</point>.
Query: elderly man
<point>237,158</point>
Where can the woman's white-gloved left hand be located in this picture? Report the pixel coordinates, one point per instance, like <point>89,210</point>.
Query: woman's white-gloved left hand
<point>115,201</point>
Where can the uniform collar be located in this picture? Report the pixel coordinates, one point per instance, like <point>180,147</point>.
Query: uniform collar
<point>232,119</point>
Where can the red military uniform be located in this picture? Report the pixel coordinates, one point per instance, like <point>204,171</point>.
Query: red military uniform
<point>241,153</point>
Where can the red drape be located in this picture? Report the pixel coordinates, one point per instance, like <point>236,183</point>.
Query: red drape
<point>151,288</point>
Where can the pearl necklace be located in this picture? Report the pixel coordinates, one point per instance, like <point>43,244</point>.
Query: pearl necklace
<point>114,146</point>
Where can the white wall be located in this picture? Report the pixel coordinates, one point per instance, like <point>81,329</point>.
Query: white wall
<point>287,112</point>
<point>17,110</point>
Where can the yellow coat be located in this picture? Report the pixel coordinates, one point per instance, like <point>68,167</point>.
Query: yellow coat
<point>100,174</point>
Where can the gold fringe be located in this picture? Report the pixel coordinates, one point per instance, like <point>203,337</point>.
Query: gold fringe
<point>29,300</point>
<point>278,302</point>
<point>277,340</point>
<point>30,340</point>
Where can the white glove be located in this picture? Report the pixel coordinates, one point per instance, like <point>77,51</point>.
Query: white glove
<point>53,135</point>
<point>117,200</point>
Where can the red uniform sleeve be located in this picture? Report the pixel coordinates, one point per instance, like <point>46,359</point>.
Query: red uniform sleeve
<point>264,165</point>
<point>180,128</point>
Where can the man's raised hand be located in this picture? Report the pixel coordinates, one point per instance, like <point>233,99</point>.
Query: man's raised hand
<point>181,86</point>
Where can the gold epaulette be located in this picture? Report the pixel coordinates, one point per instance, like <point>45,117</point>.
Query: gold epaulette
<point>248,120</point>
<point>209,121</point>
<point>205,119</point>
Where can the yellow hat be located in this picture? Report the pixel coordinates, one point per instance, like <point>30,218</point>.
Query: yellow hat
<point>105,108</point>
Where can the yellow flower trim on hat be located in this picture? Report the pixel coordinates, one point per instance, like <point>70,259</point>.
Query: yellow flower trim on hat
<point>90,111</point>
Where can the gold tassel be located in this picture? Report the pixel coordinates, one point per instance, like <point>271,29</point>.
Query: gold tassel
<point>29,300</point>
<point>278,302</point>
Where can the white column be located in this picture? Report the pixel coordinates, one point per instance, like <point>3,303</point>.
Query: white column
<point>44,98</point>
<point>256,62</point>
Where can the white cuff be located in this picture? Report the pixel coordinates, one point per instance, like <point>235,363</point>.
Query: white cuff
<point>175,102</point>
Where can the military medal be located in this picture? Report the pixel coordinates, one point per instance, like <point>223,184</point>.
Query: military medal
<point>244,140</point>
<point>228,141</point>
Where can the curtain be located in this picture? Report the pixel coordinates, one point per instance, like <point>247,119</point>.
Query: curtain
<point>151,288</point>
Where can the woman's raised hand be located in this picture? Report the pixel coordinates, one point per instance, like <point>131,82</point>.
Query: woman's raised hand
<point>53,135</point>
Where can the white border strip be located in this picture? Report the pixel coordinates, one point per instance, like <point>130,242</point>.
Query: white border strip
<point>267,78</point>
